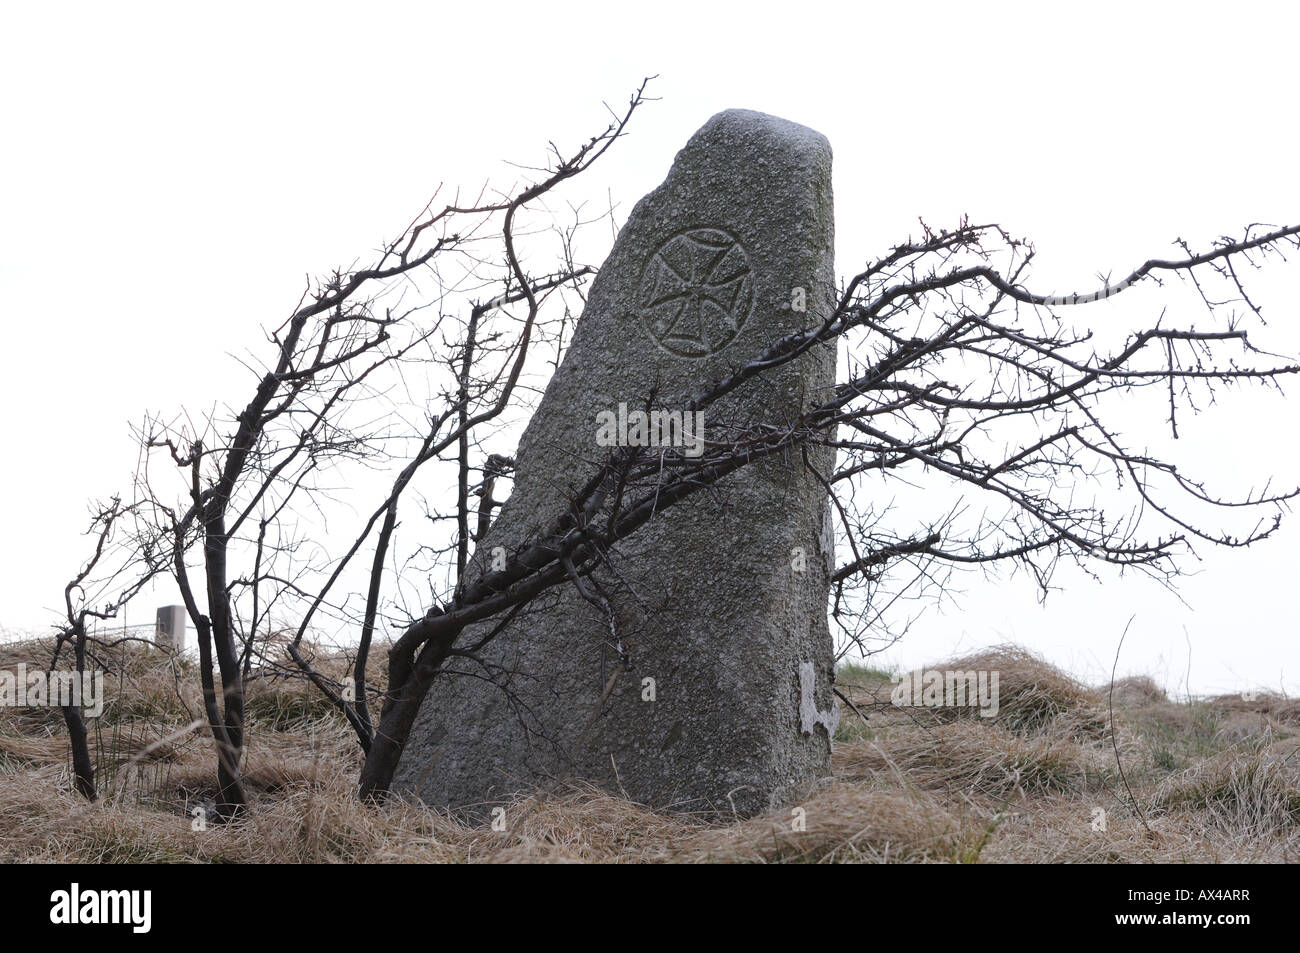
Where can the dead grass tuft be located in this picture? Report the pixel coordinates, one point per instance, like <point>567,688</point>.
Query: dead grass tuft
<point>1254,794</point>
<point>1033,695</point>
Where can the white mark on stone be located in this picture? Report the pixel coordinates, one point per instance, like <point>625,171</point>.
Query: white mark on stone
<point>809,715</point>
<point>827,539</point>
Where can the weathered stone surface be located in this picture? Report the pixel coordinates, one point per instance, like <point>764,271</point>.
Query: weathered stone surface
<point>711,598</point>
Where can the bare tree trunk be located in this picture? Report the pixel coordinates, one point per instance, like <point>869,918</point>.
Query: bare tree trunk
<point>83,771</point>
<point>397,718</point>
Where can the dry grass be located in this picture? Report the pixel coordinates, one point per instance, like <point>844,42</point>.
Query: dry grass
<point>1035,698</point>
<point>1217,781</point>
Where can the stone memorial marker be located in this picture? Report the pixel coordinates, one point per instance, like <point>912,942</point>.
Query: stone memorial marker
<point>720,602</point>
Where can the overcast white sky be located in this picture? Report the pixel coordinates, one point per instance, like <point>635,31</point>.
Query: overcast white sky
<point>170,173</point>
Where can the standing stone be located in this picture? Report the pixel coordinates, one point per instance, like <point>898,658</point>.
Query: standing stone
<point>169,627</point>
<point>720,602</point>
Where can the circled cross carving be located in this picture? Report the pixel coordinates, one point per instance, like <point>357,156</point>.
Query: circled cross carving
<point>697,292</point>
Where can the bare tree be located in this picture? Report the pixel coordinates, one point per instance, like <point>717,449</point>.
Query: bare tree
<point>333,407</point>
<point>114,586</point>
<point>956,371</point>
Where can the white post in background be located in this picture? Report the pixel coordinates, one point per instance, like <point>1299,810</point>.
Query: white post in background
<point>169,631</point>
